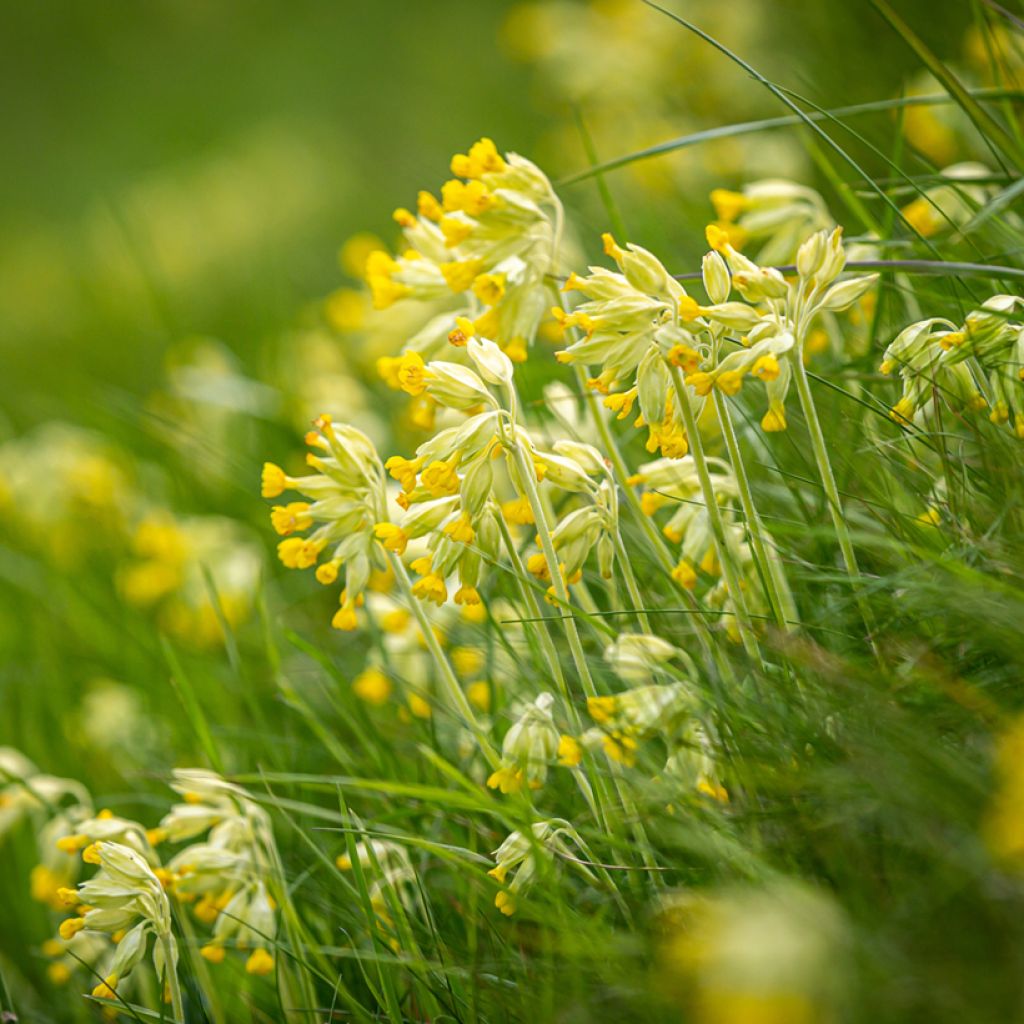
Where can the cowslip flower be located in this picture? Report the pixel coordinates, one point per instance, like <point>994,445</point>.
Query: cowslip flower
<point>774,213</point>
<point>125,897</point>
<point>528,749</point>
<point>228,876</point>
<point>336,527</point>
<point>524,855</point>
<point>488,243</point>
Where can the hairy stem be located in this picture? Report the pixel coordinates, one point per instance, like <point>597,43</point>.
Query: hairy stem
<point>769,568</point>
<point>725,559</point>
<point>828,482</point>
<point>527,476</point>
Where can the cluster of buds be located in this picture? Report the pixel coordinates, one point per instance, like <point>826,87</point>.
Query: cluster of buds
<point>625,720</point>
<point>447,487</point>
<point>773,325</point>
<point>226,876</point>
<point>487,244</point>
<point>335,527</point>
<point>936,361</point>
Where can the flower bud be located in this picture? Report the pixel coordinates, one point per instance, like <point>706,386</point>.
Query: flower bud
<point>716,277</point>
<point>495,367</point>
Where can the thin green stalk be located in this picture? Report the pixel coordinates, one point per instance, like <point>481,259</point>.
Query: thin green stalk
<point>528,479</point>
<point>171,980</point>
<point>828,482</point>
<point>458,699</point>
<point>754,525</point>
<point>536,627</point>
<point>633,588</point>
<point>732,578</point>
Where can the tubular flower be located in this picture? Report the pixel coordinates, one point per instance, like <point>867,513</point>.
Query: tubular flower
<point>528,749</point>
<point>344,516</point>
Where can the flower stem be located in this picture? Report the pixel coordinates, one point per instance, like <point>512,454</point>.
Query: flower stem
<point>732,578</point>
<point>658,546</point>
<point>632,587</point>
<point>458,699</point>
<point>828,482</point>
<point>770,571</point>
<point>527,476</point>
<point>535,626</point>
<point>171,980</point>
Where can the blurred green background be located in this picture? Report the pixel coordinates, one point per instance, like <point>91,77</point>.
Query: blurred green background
<point>179,167</point>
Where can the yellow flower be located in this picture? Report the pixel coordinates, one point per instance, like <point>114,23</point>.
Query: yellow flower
<point>774,420</point>
<point>479,695</point>
<point>601,709</point>
<point>685,575</point>
<point>483,158</point>
<point>766,367</point>
<point>431,588</point>
<point>260,962</point>
<point>508,779</point>
<point>291,518</point>
<point>570,751</point>
<point>467,596</point>
<point>418,706</point>
<point>372,686</point>
<point>274,481</point>
<point>411,374</point>
<point>404,471</point>
<point>461,529</point>
<point>489,288</point>
<point>212,953</point>
<point>440,477</point>
<point>105,989</point>
<point>728,205</point>
<point>505,902</point>
<point>393,537</point>
<point>460,274</point>
<point>517,512</point>
<point>467,660</point>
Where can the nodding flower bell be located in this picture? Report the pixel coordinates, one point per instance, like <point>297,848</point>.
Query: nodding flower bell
<point>936,361</point>
<point>528,749</point>
<point>229,873</point>
<point>526,855</point>
<point>126,897</point>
